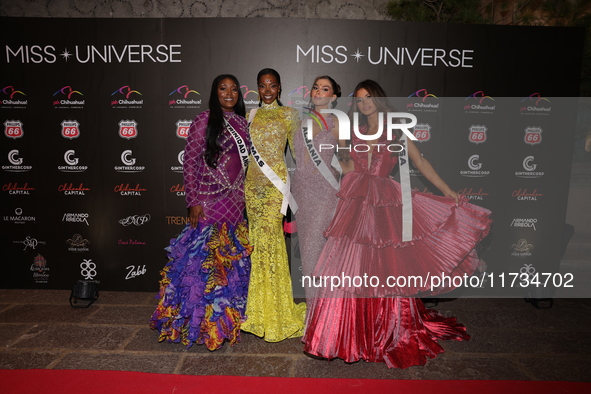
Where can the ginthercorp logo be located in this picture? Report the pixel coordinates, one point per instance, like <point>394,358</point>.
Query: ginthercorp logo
<point>533,135</point>
<point>13,129</point>
<point>30,242</point>
<point>69,189</point>
<point>77,244</point>
<point>40,269</point>
<point>88,269</point>
<point>67,97</point>
<point>18,217</point>
<point>70,129</point>
<point>530,169</point>
<point>526,195</point>
<point>128,129</point>
<point>422,132</point>
<point>535,104</point>
<point>125,189</point>
<point>251,97</point>
<point>75,218</point>
<point>472,194</point>
<point>478,134</point>
<point>182,128</point>
<point>184,97</point>
<point>180,158</point>
<point>126,97</point>
<point>345,132</point>
<point>522,248</point>
<point>128,163</point>
<point>18,189</point>
<point>475,168</point>
<point>524,223</point>
<point>16,163</point>
<point>13,98</point>
<point>178,189</point>
<point>422,100</point>
<point>135,220</point>
<point>71,161</point>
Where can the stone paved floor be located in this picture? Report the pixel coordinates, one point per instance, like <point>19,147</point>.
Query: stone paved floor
<point>510,340</point>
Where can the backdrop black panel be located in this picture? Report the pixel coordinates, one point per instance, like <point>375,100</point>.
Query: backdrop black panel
<point>95,110</point>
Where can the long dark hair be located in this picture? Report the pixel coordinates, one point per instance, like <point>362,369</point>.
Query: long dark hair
<point>274,73</point>
<point>336,89</point>
<point>215,124</point>
<point>379,98</point>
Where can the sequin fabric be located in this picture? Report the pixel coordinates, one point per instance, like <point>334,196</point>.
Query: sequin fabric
<point>316,198</point>
<point>272,313</point>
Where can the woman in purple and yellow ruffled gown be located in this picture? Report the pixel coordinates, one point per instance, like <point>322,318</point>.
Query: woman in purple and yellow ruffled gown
<point>205,283</point>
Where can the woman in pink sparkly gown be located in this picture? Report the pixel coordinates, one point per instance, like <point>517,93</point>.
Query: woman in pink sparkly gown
<point>379,324</point>
<point>316,197</point>
<point>204,286</point>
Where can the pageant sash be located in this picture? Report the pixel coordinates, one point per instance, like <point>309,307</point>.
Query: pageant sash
<point>283,187</point>
<point>240,144</point>
<point>405,192</point>
<point>317,160</point>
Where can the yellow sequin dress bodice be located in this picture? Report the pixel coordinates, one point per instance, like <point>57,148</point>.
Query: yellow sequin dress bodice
<point>270,309</point>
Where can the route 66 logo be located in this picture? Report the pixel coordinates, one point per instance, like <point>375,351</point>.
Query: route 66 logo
<point>533,136</point>
<point>477,134</point>
<point>70,129</point>
<point>182,128</point>
<point>13,129</point>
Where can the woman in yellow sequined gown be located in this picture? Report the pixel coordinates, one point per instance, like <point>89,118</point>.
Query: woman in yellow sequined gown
<point>270,309</point>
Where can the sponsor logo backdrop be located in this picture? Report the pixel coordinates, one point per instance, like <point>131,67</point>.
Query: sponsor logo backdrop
<point>96,111</point>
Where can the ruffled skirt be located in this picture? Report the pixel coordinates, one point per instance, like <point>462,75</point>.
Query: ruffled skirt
<point>204,286</point>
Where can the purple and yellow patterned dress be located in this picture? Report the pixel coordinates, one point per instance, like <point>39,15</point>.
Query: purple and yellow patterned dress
<point>205,283</point>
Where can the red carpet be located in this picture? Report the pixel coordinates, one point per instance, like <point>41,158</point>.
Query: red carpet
<point>48,381</point>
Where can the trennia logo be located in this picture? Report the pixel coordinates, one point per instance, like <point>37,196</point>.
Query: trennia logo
<point>13,129</point>
<point>478,101</point>
<point>126,92</point>
<point>69,99</point>
<point>185,96</point>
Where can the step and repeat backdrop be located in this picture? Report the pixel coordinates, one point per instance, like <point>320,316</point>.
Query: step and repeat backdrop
<point>95,114</point>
